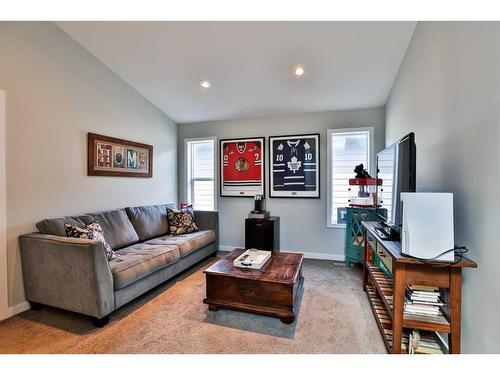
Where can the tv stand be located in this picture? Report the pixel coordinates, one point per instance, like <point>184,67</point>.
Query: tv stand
<point>386,292</point>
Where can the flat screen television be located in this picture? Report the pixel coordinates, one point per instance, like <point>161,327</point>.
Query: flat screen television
<point>396,166</point>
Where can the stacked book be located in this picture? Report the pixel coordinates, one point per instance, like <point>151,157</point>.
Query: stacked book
<point>423,301</point>
<point>428,343</point>
<point>258,215</point>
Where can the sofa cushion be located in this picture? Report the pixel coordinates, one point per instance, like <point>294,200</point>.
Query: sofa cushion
<point>91,232</point>
<point>181,221</point>
<point>149,221</point>
<point>55,226</point>
<point>137,261</point>
<point>187,243</point>
<point>117,228</point>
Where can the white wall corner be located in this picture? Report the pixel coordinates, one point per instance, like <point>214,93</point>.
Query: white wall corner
<point>4,303</point>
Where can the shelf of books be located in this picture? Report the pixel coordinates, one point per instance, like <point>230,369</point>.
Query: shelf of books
<point>423,311</point>
<point>423,305</point>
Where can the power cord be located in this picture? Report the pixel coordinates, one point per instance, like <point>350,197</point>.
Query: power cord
<point>459,256</point>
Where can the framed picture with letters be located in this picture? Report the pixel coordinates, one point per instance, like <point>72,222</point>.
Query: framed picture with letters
<point>108,156</point>
<point>294,170</point>
<point>242,167</point>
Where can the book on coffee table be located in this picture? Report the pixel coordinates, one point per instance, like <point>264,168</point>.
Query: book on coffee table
<point>245,260</point>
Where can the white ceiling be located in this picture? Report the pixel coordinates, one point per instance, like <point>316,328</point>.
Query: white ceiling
<point>250,64</point>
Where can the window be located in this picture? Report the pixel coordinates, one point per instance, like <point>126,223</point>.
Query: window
<point>200,173</point>
<point>346,149</point>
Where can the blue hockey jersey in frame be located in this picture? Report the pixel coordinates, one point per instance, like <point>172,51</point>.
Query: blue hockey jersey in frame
<point>295,164</point>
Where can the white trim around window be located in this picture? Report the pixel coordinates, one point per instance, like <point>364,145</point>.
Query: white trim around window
<point>370,167</point>
<point>188,191</point>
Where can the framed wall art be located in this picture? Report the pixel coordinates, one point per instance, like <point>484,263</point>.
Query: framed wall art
<point>241,167</point>
<point>294,170</point>
<point>108,156</point>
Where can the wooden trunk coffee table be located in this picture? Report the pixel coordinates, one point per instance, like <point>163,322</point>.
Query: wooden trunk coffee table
<point>273,290</point>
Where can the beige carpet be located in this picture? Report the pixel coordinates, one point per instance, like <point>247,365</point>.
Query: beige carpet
<point>334,317</point>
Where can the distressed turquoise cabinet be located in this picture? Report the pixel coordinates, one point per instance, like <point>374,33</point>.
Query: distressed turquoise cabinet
<point>354,238</point>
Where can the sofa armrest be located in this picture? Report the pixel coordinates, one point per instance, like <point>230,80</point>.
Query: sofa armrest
<point>69,273</point>
<point>208,220</point>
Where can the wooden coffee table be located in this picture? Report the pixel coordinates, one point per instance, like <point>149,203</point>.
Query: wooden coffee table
<point>273,290</point>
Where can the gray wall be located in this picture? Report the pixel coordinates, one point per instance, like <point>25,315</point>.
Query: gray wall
<point>56,93</point>
<point>303,221</point>
<point>448,93</point>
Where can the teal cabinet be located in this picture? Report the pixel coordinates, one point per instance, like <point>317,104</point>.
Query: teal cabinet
<point>354,238</point>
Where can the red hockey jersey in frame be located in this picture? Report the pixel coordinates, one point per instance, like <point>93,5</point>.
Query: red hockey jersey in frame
<point>242,164</point>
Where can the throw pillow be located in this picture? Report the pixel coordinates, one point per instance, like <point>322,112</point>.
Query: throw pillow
<point>91,231</point>
<point>181,221</point>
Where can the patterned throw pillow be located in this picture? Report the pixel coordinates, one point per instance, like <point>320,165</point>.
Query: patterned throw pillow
<point>92,231</point>
<point>181,221</point>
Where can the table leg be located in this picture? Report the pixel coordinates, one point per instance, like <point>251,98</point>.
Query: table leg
<point>398,307</point>
<point>288,320</point>
<point>213,308</point>
<point>455,309</point>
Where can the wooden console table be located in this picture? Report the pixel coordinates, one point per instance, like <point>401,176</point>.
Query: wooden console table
<point>386,292</point>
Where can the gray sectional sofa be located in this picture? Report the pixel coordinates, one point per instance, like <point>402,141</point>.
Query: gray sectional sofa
<point>74,274</point>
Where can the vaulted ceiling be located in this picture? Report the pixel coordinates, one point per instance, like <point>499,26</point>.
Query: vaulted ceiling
<point>250,65</point>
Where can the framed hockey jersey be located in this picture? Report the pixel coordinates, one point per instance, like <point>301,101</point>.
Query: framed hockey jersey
<point>294,166</point>
<point>241,167</point>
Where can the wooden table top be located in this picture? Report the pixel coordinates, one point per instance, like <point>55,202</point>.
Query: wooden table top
<point>281,268</point>
<point>394,249</point>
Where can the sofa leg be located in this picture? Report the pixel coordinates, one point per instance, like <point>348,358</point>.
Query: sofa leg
<point>99,323</point>
<point>35,306</point>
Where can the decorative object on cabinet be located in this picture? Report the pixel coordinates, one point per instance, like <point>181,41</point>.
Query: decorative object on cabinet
<point>241,167</point>
<point>259,209</point>
<point>361,172</point>
<point>386,294</point>
<point>366,194</point>
<point>294,169</point>
<point>108,156</point>
<point>263,234</point>
<point>354,237</point>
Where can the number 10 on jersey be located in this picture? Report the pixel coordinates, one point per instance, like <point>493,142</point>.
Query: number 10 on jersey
<point>294,166</point>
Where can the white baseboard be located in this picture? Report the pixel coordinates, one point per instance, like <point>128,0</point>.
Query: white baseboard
<point>323,256</point>
<point>229,248</point>
<point>307,255</point>
<point>17,309</point>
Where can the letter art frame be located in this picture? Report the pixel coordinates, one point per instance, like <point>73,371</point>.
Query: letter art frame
<point>115,157</point>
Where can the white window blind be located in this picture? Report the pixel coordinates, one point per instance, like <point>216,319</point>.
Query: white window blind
<point>201,173</point>
<point>347,148</point>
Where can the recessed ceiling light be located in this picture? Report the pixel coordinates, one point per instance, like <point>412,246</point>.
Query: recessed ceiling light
<point>299,71</point>
<point>205,84</point>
